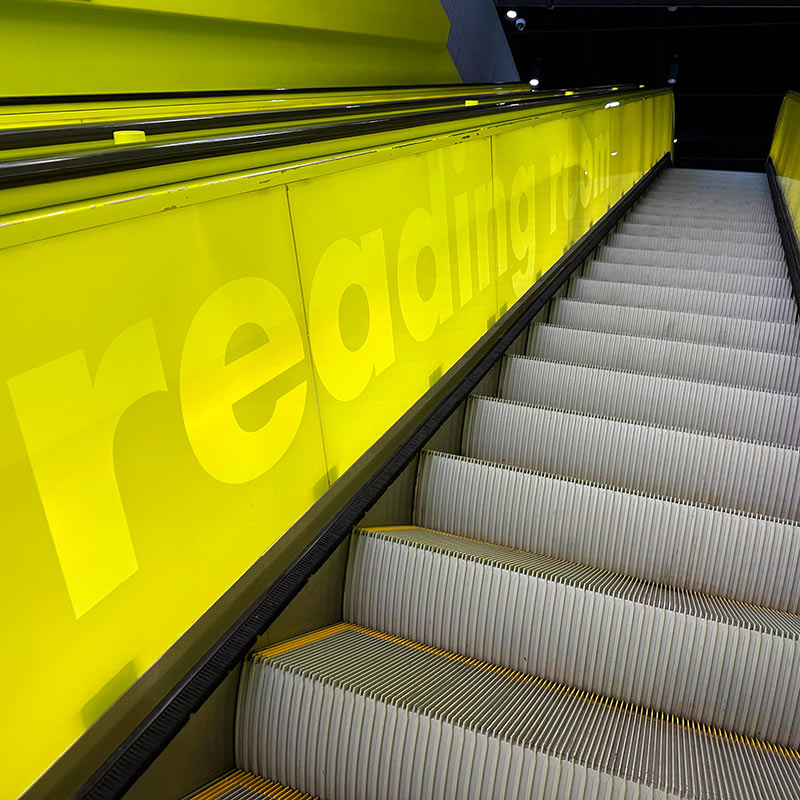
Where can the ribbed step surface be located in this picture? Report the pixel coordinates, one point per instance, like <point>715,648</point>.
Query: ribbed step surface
<point>708,407</point>
<point>601,597</point>
<point>746,334</point>
<point>740,556</point>
<point>701,210</point>
<point>775,268</point>
<point>697,246</point>
<point>684,221</point>
<point>354,714</point>
<point>730,473</point>
<point>240,785</point>
<point>772,372</point>
<point>582,626</point>
<point>707,234</point>
<point>727,282</point>
<point>771,309</point>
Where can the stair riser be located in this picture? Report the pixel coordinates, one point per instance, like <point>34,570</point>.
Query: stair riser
<point>772,372</point>
<point>723,553</point>
<point>676,221</point>
<point>723,331</point>
<point>768,252</point>
<point>671,232</point>
<point>728,473</point>
<point>661,659</point>
<point>665,258</point>
<point>690,301</point>
<point>706,407</point>
<point>726,282</point>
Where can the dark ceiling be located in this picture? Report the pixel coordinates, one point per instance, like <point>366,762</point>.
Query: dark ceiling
<point>735,64</point>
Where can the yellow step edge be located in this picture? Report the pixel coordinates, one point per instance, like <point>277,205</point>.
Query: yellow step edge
<point>590,697</point>
<point>253,783</point>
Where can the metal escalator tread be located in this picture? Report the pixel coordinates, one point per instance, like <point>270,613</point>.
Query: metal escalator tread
<point>718,198</point>
<point>413,721</point>
<point>241,785</point>
<point>772,372</point>
<point>697,246</point>
<point>695,301</point>
<point>775,268</point>
<point>601,597</point>
<point>679,326</point>
<point>653,399</point>
<point>689,221</point>
<point>582,626</point>
<point>732,234</point>
<point>744,557</point>
<point>732,282</point>
<point>704,211</point>
<point>696,467</point>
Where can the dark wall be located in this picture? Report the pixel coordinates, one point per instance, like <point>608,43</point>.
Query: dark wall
<point>735,65</point>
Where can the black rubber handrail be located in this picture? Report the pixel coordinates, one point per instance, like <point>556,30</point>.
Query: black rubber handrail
<point>155,732</point>
<point>113,97</point>
<point>72,133</point>
<point>119,158</point>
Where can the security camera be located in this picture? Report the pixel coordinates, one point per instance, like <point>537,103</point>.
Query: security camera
<point>519,23</point>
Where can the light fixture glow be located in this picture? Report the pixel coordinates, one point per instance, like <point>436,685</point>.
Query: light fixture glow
<point>511,14</point>
<point>674,141</point>
<point>614,153</point>
<point>612,104</point>
<point>534,81</point>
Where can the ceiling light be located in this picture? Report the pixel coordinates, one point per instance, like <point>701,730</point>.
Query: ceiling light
<point>612,104</point>
<point>672,76</point>
<point>511,14</point>
<point>614,153</point>
<point>534,81</point>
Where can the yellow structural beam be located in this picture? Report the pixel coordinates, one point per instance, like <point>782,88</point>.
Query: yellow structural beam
<point>63,47</point>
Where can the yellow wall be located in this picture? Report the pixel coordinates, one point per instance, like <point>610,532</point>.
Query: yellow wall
<point>785,154</point>
<point>187,371</point>
<point>53,47</point>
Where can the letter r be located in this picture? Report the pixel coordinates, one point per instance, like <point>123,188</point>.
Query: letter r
<point>68,423</point>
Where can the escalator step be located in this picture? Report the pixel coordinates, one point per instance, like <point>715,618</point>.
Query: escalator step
<point>771,309</point>
<point>702,211</point>
<point>775,268</point>
<point>696,467</point>
<point>718,199</point>
<point>771,252</point>
<point>733,176</point>
<point>599,631</point>
<point>746,334</point>
<point>727,282</point>
<point>744,557</point>
<point>240,785</point>
<point>708,407</point>
<point>351,713</point>
<point>677,221</point>
<point>772,372</point>
<point>676,232</point>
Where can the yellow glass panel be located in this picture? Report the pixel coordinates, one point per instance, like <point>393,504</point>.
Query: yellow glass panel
<point>398,282</point>
<point>158,432</point>
<point>179,387</point>
<point>785,154</point>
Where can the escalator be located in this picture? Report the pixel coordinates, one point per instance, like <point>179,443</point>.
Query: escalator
<point>599,594</point>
